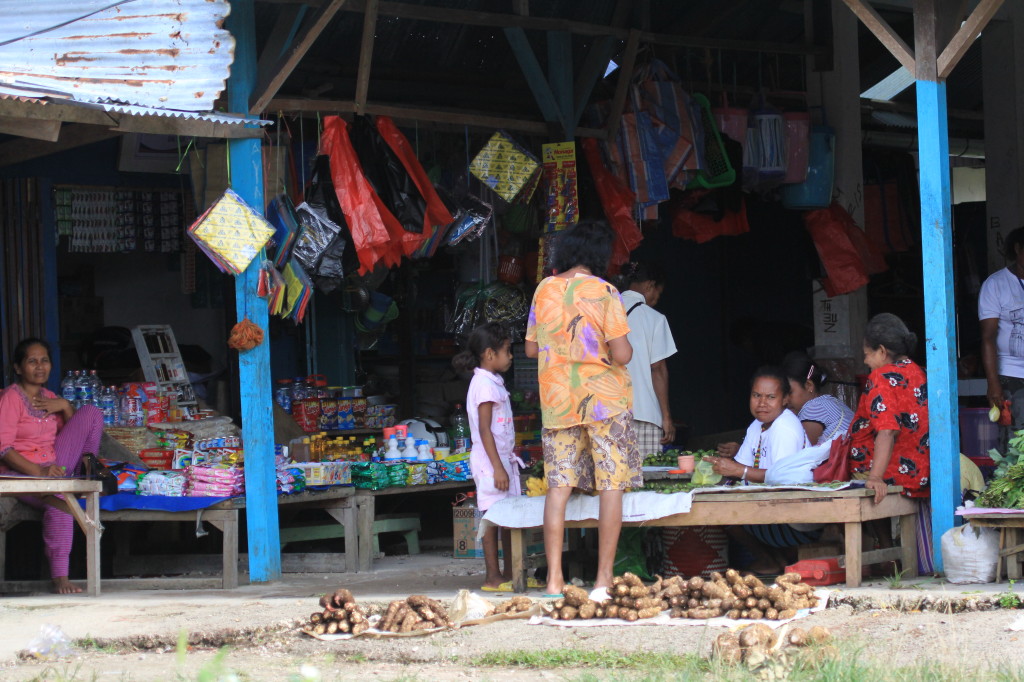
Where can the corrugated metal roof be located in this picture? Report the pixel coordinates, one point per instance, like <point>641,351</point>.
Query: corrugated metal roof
<point>173,54</point>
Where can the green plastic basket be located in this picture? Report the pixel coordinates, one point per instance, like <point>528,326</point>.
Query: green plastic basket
<point>717,171</point>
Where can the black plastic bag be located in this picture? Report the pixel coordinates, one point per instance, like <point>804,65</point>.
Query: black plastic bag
<point>388,176</point>
<point>321,247</point>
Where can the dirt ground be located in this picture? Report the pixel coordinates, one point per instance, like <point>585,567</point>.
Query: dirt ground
<point>965,641</point>
<point>132,635</point>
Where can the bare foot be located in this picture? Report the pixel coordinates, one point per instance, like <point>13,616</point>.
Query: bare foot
<point>62,585</point>
<point>494,582</point>
<point>554,589</point>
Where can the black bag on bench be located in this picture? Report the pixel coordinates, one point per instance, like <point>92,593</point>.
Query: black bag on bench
<point>95,470</point>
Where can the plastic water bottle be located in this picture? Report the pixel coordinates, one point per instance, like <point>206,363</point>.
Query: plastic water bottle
<point>460,430</point>
<point>51,643</point>
<point>298,390</point>
<point>67,387</point>
<point>96,385</point>
<point>83,389</point>
<point>108,404</point>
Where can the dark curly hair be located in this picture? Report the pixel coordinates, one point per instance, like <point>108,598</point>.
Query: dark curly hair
<point>491,335</point>
<point>885,329</point>
<point>635,272</point>
<point>800,368</point>
<point>588,244</point>
<point>772,372</point>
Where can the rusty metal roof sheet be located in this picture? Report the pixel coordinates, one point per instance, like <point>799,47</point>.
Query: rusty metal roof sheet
<point>173,54</point>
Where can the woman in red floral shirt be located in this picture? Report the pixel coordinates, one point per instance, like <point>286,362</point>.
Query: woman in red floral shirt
<point>889,445</point>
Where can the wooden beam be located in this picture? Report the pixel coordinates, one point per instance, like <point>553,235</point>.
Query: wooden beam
<point>560,78</point>
<point>926,38</point>
<point>594,66</point>
<point>289,21</point>
<point>964,38</point>
<point>521,7</point>
<point>276,76</point>
<point>405,10</point>
<point>366,55</point>
<point>622,87</point>
<point>402,113</point>
<point>888,37</point>
<point>72,136</point>
<point>534,75</point>
<point>37,130</point>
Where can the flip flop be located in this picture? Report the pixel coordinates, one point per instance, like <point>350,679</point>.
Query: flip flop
<point>503,587</point>
<point>556,595</point>
<point>534,584</point>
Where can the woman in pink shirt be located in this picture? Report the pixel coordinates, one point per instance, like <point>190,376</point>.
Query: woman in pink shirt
<point>42,435</point>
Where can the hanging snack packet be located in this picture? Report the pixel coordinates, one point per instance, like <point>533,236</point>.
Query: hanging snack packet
<point>504,166</point>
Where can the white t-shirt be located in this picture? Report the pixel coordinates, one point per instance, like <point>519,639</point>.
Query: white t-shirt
<point>1002,298</point>
<point>784,438</point>
<point>652,342</point>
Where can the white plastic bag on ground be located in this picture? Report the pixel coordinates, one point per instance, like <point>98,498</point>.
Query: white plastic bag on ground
<point>469,606</point>
<point>970,555</point>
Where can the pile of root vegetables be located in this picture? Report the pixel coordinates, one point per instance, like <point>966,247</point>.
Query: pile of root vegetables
<point>341,615</point>
<point>514,605</point>
<point>757,643</point>
<point>731,595</point>
<point>414,613</point>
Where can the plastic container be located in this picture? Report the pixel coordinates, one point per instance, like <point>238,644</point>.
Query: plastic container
<point>824,571</point>
<point>978,435</point>
<point>460,431</point>
<point>686,463</point>
<point>798,129</point>
<point>816,190</point>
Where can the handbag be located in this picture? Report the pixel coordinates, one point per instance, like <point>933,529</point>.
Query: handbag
<point>837,466</point>
<point>95,470</point>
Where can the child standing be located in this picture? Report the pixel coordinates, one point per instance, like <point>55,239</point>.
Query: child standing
<point>495,469</point>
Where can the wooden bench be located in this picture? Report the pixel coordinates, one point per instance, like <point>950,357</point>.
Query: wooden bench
<point>407,524</point>
<point>88,519</point>
<point>851,507</point>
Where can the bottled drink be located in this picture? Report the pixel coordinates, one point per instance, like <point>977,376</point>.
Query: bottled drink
<point>95,384</point>
<point>108,404</point>
<point>83,389</point>
<point>460,430</point>
<point>393,451</point>
<point>67,387</point>
<point>298,389</point>
<point>283,394</point>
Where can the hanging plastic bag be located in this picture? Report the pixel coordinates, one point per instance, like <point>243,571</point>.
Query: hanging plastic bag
<point>970,555</point>
<point>617,201</point>
<point>318,231</point>
<point>362,208</point>
<point>701,227</point>
<point>668,120</point>
<point>436,212</point>
<point>471,218</point>
<point>843,265</point>
<point>388,177</point>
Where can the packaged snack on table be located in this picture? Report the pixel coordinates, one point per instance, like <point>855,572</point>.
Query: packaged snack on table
<point>370,475</point>
<point>166,483</point>
<point>417,474</point>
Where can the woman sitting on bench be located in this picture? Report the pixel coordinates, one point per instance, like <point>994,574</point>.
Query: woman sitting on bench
<point>43,435</point>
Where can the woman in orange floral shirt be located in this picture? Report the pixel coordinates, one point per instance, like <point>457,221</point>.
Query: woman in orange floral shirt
<point>577,329</point>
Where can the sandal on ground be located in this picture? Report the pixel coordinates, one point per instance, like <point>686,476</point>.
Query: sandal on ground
<point>503,587</point>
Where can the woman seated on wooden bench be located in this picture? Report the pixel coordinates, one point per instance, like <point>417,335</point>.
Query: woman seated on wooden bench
<point>43,435</point>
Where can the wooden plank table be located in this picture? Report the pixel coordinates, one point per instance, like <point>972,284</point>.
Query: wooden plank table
<point>1011,547</point>
<point>88,519</point>
<point>850,507</point>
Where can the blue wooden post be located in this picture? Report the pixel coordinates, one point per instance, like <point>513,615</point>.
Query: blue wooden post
<point>940,319</point>
<point>246,178</point>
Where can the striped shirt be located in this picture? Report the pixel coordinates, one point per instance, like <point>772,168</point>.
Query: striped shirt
<point>834,415</point>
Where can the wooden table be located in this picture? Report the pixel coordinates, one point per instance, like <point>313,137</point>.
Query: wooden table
<point>88,520</point>
<point>1011,547</point>
<point>850,507</point>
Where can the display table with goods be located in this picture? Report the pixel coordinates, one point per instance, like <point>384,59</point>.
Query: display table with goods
<point>844,503</point>
<point>88,519</point>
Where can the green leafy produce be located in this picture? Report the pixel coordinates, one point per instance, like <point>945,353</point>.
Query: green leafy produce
<point>1013,455</point>
<point>1006,492</point>
<point>668,487</point>
<point>670,458</point>
<point>704,474</point>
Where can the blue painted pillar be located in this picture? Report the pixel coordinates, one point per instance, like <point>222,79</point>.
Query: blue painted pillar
<point>940,316</point>
<point>246,178</point>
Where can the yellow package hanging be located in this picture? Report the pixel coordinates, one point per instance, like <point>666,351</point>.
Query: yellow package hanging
<point>504,166</point>
<point>231,233</point>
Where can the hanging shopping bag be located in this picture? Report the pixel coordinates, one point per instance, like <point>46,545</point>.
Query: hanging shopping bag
<point>816,190</point>
<point>845,270</point>
<point>701,227</point>
<point>436,213</point>
<point>617,202</point>
<point>672,122</point>
<point>371,230</point>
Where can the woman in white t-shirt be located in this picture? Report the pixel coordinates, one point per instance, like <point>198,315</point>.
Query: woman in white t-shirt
<point>641,285</point>
<point>1001,311</point>
<point>774,436</point>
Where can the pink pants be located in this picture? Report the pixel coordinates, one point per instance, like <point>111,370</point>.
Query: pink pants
<point>81,434</point>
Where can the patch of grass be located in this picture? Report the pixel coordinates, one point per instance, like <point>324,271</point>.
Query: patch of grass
<point>68,672</point>
<point>605,659</point>
<point>895,582</point>
<point>1009,599</point>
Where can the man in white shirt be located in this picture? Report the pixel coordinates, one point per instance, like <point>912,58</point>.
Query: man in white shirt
<point>651,338</point>
<point>1001,311</point>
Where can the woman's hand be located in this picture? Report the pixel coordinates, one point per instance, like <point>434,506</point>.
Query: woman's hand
<point>880,487</point>
<point>51,405</point>
<point>501,479</point>
<point>727,449</point>
<point>726,466</point>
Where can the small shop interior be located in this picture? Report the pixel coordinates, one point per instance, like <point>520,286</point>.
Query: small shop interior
<point>722,162</point>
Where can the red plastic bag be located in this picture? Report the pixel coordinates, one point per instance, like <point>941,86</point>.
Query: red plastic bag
<point>617,201</point>
<point>437,214</point>
<point>829,228</point>
<point>700,227</point>
<point>371,231</point>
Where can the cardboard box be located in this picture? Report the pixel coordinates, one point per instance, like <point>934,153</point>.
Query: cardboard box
<point>466,523</point>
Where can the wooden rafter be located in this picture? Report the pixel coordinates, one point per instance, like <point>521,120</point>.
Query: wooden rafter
<point>622,87</point>
<point>403,113</point>
<point>71,136</point>
<point>36,130</point>
<point>366,55</point>
<point>965,36</point>
<point>288,23</point>
<point>888,37</point>
<point>275,77</point>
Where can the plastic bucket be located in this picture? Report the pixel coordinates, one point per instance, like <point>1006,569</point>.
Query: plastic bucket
<point>978,435</point>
